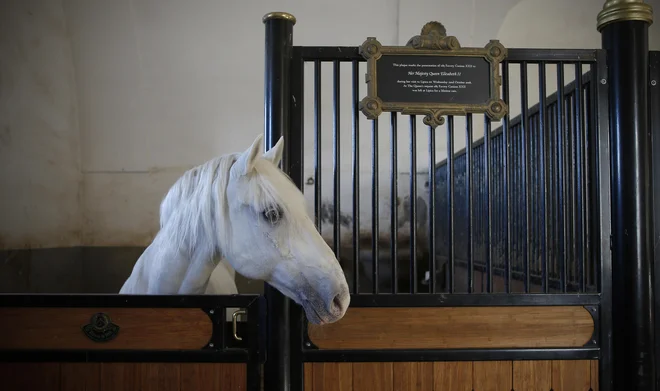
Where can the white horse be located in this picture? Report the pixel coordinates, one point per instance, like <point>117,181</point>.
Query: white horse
<point>240,211</point>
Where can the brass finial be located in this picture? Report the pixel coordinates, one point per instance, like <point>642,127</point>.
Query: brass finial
<point>279,15</point>
<point>435,28</point>
<point>434,36</point>
<point>620,10</point>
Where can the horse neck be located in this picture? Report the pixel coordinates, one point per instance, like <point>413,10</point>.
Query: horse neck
<point>200,259</point>
<point>197,275</point>
<point>165,268</point>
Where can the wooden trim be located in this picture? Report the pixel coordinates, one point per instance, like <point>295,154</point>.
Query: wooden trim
<point>140,328</point>
<point>456,328</point>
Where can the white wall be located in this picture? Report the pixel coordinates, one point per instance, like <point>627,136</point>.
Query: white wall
<point>165,85</point>
<point>39,134</point>
<point>162,85</point>
<point>562,25</point>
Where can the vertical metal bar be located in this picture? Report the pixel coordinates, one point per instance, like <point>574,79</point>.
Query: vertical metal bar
<point>394,232</point>
<point>543,136</point>
<point>654,124</point>
<point>374,204</point>
<point>553,185</point>
<point>571,140</point>
<point>413,204</point>
<point>450,205</point>
<point>561,125</point>
<point>626,42</point>
<point>507,178</point>
<point>604,228</point>
<point>534,202</point>
<point>468,196</point>
<point>479,211</point>
<point>356,178</point>
<point>487,180</point>
<point>279,43</point>
<point>590,168</point>
<point>525,142</point>
<point>580,184</point>
<point>253,373</point>
<point>294,151</point>
<point>317,144</point>
<point>431,230</point>
<point>501,221</point>
<point>566,156</point>
<point>335,158</point>
<point>515,196</point>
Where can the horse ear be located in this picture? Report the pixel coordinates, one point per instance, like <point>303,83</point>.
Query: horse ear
<point>245,162</point>
<point>275,154</point>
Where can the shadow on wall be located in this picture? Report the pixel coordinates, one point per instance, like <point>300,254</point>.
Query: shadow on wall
<point>77,270</point>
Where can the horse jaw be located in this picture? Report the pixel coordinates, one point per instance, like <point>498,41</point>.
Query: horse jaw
<point>289,254</point>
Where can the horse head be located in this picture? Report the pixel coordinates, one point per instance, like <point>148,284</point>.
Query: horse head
<point>270,236</point>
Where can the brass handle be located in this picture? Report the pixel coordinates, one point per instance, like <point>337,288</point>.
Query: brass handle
<point>233,323</point>
<point>100,328</point>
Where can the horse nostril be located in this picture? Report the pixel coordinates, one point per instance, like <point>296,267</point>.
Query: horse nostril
<point>336,304</point>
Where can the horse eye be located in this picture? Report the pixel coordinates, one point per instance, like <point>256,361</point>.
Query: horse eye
<point>272,215</point>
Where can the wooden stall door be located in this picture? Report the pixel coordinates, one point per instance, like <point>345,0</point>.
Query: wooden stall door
<point>569,375</point>
<point>122,377</point>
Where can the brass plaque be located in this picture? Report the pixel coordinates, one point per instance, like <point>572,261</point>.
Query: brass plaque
<point>433,76</point>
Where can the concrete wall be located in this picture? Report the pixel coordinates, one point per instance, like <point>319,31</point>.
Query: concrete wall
<point>40,195</point>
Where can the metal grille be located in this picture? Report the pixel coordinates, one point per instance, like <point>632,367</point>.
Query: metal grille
<point>549,194</point>
<point>516,220</point>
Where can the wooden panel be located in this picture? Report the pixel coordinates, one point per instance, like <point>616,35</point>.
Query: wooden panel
<point>213,377</point>
<point>160,376</point>
<point>532,375</point>
<point>492,376</point>
<point>140,328</point>
<point>456,327</point>
<point>455,375</point>
<point>309,375</point>
<point>570,375</point>
<point>233,377</point>
<point>330,376</point>
<point>121,376</point>
<point>372,376</point>
<point>412,376</point>
<point>29,376</point>
<point>80,376</point>
<point>594,375</point>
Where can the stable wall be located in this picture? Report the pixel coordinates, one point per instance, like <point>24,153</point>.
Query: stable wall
<point>104,104</point>
<point>39,134</point>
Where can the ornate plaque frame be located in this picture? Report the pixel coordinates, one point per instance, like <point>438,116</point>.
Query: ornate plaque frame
<point>433,41</point>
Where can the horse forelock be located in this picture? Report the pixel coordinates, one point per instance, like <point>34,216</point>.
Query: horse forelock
<point>268,186</point>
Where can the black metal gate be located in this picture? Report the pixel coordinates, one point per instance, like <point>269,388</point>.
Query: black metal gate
<point>520,218</point>
<point>540,218</point>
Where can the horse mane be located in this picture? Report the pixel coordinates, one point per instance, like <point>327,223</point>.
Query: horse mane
<point>194,209</point>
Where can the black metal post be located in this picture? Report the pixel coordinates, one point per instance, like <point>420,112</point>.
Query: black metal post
<point>654,123</point>
<point>279,44</point>
<point>624,28</point>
